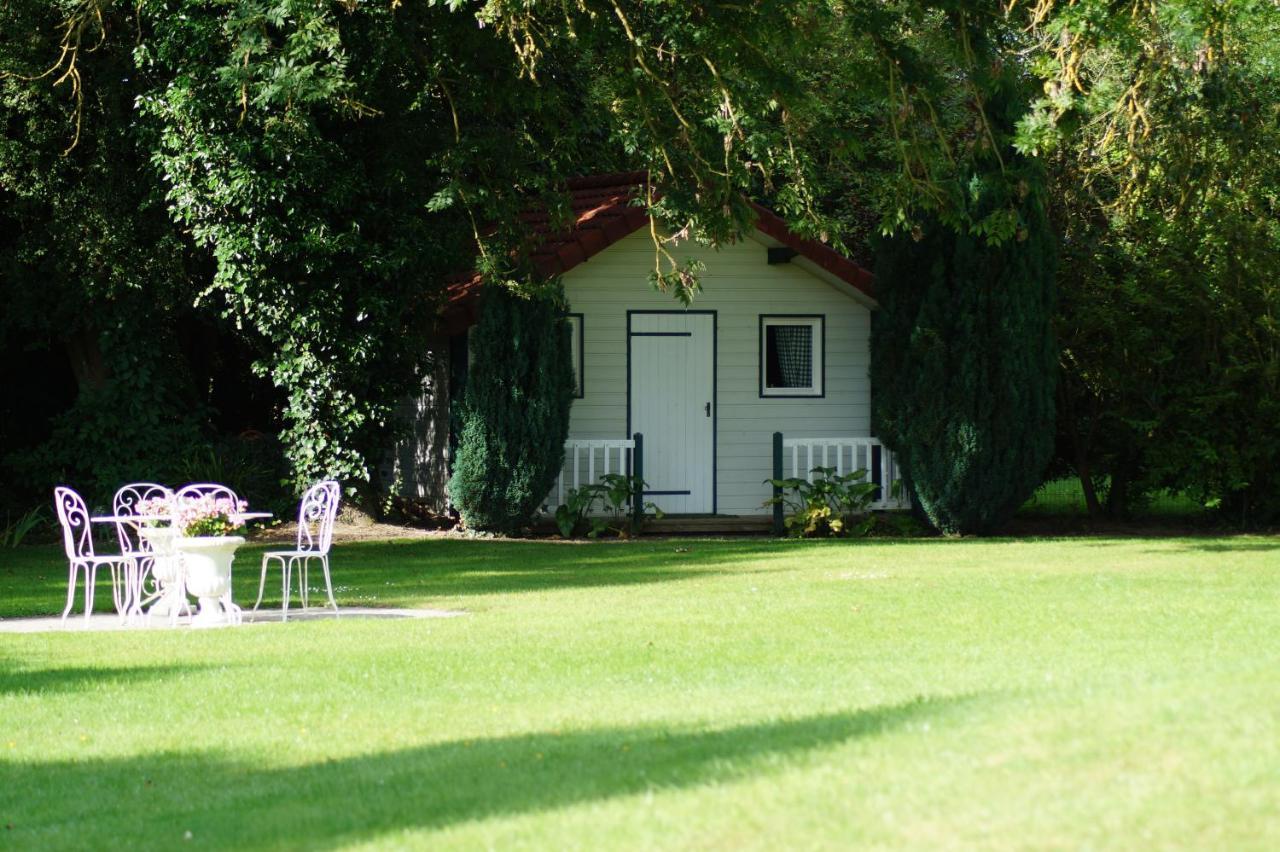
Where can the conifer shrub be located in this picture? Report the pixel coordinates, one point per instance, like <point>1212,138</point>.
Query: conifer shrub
<point>514,412</point>
<point>964,366</point>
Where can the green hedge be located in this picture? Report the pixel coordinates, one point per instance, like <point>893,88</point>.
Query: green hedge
<point>964,367</point>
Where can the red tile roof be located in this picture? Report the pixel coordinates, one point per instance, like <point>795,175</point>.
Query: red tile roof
<point>604,211</point>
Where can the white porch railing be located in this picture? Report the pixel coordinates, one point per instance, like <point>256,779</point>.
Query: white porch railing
<point>585,461</point>
<point>801,455</point>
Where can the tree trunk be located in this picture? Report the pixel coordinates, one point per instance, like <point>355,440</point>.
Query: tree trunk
<point>1085,472</point>
<point>87,364</point>
<point>1081,440</point>
<point>1118,494</point>
<point>417,466</point>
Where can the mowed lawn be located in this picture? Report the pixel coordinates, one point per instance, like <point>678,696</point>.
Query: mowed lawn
<point>697,694</point>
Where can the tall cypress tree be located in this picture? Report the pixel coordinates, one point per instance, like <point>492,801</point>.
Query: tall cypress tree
<point>963,357</point>
<point>515,409</point>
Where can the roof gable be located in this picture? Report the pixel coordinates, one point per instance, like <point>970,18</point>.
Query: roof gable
<point>604,212</point>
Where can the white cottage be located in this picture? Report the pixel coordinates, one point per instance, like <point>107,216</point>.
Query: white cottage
<point>778,343</point>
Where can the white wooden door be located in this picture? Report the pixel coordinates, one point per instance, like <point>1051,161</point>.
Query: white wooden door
<point>672,403</point>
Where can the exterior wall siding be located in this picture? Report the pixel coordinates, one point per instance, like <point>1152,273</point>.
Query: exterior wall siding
<point>739,285</point>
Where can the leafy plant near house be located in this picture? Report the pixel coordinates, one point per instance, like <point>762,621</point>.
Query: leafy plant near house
<point>515,410</point>
<point>615,494</point>
<point>832,504</point>
<point>572,514</point>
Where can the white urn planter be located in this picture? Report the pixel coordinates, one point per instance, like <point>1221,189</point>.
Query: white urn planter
<point>206,560</point>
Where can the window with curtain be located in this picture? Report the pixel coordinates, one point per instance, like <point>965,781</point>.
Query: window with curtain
<point>791,356</point>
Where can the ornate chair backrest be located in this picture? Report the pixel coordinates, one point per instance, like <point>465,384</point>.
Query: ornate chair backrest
<point>316,514</point>
<point>73,515</point>
<point>126,503</point>
<point>199,490</point>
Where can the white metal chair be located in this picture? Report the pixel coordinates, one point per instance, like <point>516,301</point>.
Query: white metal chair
<point>125,504</point>
<point>77,539</point>
<point>316,515</point>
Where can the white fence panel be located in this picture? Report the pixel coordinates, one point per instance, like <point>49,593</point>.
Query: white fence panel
<point>847,455</point>
<point>586,461</point>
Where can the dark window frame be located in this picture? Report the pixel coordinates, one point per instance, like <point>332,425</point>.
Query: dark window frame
<point>819,322</point>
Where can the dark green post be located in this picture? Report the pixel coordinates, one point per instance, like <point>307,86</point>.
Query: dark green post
<point>637,469</point>
<point>778,528</point>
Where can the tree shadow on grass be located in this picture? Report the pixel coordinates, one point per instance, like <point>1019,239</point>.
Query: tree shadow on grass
<point>408,571</point>
<point>1223,546</point>
<point>15,679</point>
<point>152,801</point>
<point>452,567</point>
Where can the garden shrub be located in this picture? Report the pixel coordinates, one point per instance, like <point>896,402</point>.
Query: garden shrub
<point>514,412</point>
<point>964,364</point>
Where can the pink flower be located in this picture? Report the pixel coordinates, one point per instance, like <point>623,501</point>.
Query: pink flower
<point>208,515</point>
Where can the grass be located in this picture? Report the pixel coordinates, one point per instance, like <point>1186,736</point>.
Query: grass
<point>1064,498</point>
<point>694,694</point>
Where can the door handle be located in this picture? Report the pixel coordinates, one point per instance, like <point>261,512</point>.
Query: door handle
<point>708,409</point>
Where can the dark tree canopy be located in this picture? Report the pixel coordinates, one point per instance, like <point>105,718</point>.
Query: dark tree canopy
<point>1171,254</point>
<point>288,184</point>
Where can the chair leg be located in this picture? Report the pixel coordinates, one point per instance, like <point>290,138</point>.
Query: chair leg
<point>119,589</point>
<point>262,582</point>
<point>286,573</point>
<point>90,577</point>
<point>328,582</point>
<point>133,591</point>
<point>126,594</point>
<point>119,597</point>
<point>71,591</point>
<point>302,579</point>
<point>144,567</point>
<point>115,587</point>
<point>139,572</point>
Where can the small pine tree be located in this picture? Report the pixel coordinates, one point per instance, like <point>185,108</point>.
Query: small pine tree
<point>964,366</point>
<point>514,413</point>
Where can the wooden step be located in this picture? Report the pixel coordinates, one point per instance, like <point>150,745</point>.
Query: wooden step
<point>689,525</point>
<point>710,524</point>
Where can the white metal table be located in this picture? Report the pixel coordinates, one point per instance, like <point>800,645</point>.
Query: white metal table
<point>167,568</point>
